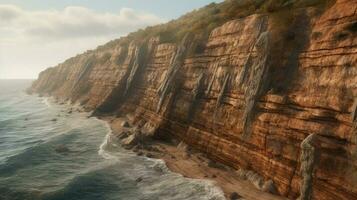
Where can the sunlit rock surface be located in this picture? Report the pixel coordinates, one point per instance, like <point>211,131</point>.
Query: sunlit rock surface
<point>260,87</point>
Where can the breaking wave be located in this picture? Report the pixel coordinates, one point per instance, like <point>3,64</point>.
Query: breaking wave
<point>48,153</point>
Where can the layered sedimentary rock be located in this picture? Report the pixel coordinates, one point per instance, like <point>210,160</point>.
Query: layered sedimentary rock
<point>263,84</point>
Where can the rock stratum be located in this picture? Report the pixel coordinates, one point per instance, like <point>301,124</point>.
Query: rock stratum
<point>274,93</point>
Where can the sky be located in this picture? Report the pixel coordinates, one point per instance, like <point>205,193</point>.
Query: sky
<point>37,34</point>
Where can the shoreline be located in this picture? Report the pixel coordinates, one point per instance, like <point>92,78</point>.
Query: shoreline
<point>180,159</point>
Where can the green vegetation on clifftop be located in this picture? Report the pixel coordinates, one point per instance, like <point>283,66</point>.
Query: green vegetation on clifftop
<point>202,21</point>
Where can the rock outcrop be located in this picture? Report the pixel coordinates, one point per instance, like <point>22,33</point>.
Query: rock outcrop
<point>260,87</point>
<point>308,162</point>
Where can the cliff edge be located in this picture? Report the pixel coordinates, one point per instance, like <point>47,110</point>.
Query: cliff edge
<point>271,90</point>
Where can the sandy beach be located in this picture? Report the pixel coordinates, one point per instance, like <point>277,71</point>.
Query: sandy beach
<point>186,161</point>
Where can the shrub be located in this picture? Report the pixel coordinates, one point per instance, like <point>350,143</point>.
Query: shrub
<point>105,57</point>
<point>202,21</point>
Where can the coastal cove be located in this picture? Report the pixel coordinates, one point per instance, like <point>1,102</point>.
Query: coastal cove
<point>258,97</point>
<point>181,159</point>
<point>52,151</point>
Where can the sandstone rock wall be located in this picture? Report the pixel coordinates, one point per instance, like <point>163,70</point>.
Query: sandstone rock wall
<point>261,86</point>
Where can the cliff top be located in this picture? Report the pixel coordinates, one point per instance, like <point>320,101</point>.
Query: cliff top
<point>202,21</point>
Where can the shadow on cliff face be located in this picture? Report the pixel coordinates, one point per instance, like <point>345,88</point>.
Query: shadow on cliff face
<point>81,86</point>
<point>352,171</point>
<point>290,35</point>
<point>276,64</point>
<point>127,82</point>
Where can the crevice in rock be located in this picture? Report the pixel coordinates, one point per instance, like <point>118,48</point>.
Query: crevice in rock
<point>354,112</point>
<point>171,76</point>
<point>81,85</point>
<point>86,69</point>
<point>196,94</point>
<point>135,65</point>
<point>249,61</point>
<point>244,75</point>
<point>215,68</point>
<point>353,159</point>
<point>290,35</point>
<point>224,85</point>
<point>226,79</point>
<point>124,86</point>
<point>257,81</point>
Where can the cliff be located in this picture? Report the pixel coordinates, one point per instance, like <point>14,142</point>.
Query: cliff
<point>248,98</point>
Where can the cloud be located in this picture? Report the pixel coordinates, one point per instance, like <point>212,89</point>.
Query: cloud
<point>9,12</point>
<point>70,22</point>
<point>31,41</point>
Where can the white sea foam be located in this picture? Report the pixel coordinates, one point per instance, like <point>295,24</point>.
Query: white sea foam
<point>207,189</point>
<point>213,192</point>
<point>107,139</point>
<point>46,100</point>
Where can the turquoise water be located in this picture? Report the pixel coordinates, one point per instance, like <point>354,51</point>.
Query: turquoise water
<point>47,153</point>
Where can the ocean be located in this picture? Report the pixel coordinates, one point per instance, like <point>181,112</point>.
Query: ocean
<point>49,153</point>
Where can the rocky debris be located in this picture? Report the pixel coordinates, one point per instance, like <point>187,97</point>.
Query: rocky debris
<point>54,119</point>
<point>149,147</point>
<point>185,149</point>
<point>216,165</point>
<point>257,180</point>
<point>148,128</point>
<point>135,137</point>
<point>182,146</point>
<point>234,196</point>
<point>138,180</point>
<point>269,187</point>
<point>125,124</point>
<point>62,149</point>
<point>150,155</point>
<point>123,134</point>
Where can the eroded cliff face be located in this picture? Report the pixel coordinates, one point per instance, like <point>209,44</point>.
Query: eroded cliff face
<point>263,84</point>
